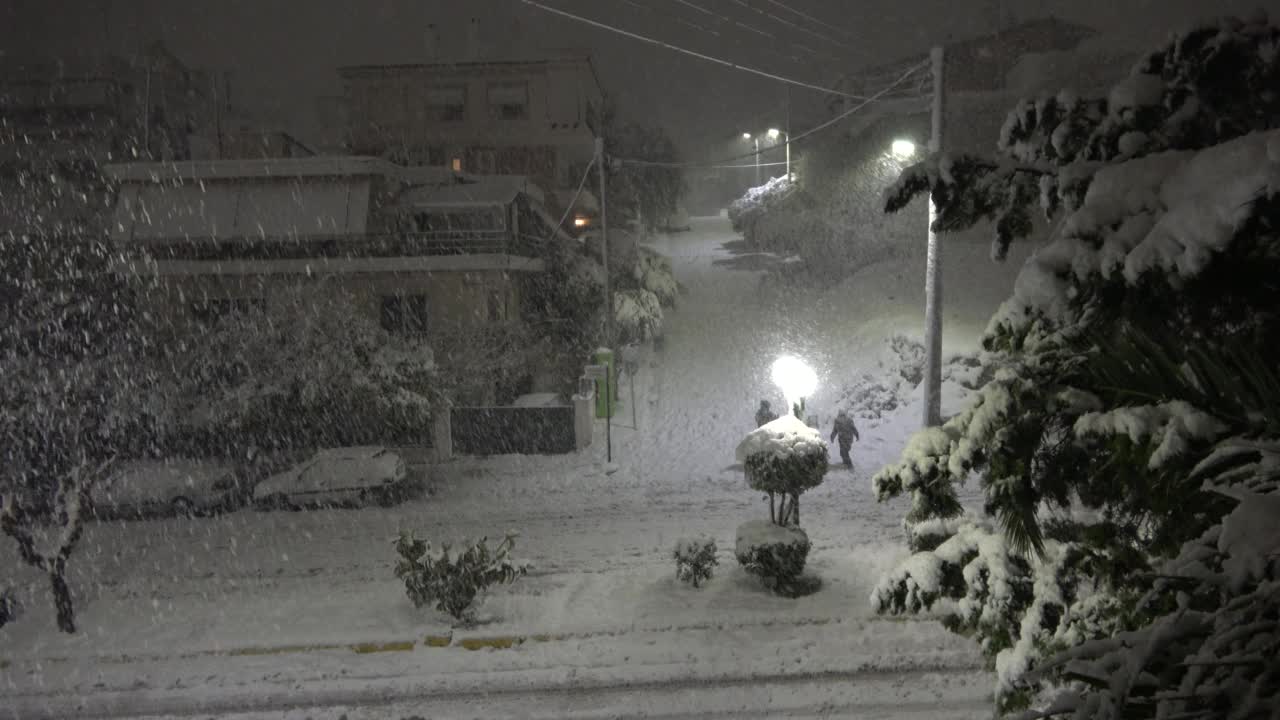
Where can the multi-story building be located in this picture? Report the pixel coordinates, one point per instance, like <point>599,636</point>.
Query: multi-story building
<point>529,118</point>
<point>420,250</point>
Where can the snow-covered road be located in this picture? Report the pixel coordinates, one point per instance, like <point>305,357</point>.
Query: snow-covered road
<point>599,541</point>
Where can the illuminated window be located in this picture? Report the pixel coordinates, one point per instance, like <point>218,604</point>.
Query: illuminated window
<point>457,164</point>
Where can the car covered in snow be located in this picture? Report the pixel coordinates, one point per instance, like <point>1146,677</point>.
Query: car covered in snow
<point>167,487</point>
<point>337,476</point>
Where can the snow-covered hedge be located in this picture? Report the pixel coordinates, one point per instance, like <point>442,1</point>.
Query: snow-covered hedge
<point>695,558</point>
<point>776,553</point>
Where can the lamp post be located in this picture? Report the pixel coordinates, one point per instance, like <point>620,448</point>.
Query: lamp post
<point>796,380</point>
<point>786,139</point>
<point>756,140</point>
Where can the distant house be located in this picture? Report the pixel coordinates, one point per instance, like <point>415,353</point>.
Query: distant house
<point>527,117</point>
<point>421,250</point>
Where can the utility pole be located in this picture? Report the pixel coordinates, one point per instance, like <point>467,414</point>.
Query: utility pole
<point>756,138</point>
<point>933,268</point>
<point>608,303</point>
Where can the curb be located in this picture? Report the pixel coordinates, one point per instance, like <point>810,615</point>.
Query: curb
<point>431,641</point>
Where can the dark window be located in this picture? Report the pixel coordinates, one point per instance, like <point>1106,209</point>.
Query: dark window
<point>405,314</point>
<point>447,103</point>
<point>509,101</point>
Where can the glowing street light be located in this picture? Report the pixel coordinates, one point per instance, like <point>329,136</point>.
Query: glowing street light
<point>773,135</point>
<point>751,138</point>
<point>796,380</point>
<point>903,149</point>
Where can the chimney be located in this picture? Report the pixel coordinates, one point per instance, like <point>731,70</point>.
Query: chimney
<point>473,39</point>
<point>431,43</point>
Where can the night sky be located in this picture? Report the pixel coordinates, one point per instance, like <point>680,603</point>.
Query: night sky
<point>282,52</point>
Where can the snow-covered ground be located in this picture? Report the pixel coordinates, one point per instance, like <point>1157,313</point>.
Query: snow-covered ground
<point>256,612</point>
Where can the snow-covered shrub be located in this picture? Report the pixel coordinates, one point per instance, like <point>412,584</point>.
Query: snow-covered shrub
<point>749,209</point>
<point>637,315</point>
<point>10,608</point>
<point>308,370</point>
<point>1135,361</point>
<point>653,273</point>
<point>695,557</point>
<point>784,458</point>
<point>452,579</point>
<point>774,552</point>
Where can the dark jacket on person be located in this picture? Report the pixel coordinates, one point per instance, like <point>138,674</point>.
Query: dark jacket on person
<point>844,429</point>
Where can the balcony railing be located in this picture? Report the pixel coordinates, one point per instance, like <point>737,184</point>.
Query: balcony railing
<point>413,244</point>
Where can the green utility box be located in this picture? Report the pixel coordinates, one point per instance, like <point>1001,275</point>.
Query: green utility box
<point>606,397</point>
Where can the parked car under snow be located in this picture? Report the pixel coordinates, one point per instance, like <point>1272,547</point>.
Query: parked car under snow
<point>166,487</point>
<point>338,476</point>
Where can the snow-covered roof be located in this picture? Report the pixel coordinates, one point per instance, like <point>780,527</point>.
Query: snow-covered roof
<point>782,437</point>
<point>341,165</point>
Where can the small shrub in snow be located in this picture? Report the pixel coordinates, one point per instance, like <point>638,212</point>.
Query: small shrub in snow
<point>775,553</point>
<point>453,579</point>
<point>695,557</point>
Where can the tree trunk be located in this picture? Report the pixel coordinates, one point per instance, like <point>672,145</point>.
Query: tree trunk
<point>773,517</point>
<point>62,597</point>
<point>795,509</point>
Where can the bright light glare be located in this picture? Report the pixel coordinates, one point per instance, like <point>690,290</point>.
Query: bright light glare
<point>796,379</point>
<point>903,149</point>
<point>773,133</point>
<point>579,222</point>
<point>746,136</point>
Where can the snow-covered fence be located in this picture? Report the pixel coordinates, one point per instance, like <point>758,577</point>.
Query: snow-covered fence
<point>545,430</point>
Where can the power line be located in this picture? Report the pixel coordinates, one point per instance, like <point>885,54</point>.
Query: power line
<point>675,18</point>
<point>797,138</point>
<point>811,18</point>
<point>788,23</point>
<point>689,3</point>
<point>709,58</point>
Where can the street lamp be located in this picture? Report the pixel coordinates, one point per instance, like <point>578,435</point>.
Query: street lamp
<point>903,149</point>
<point>756,140</point>
<point>773,135</point>
<point>796,380</point>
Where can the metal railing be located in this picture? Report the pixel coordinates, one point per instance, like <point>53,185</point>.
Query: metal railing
<point>285,247</point>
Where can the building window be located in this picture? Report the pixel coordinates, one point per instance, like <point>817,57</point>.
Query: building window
<point>447,103</point>
<point>456,164</point>
<point>406,314</point>
<point>509,101</point>
<point>212,310</point>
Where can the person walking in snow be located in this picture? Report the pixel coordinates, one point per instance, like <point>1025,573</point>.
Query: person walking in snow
<point>844,429</point>
<point>765,414</point>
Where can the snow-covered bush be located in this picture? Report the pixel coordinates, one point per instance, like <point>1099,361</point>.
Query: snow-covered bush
<point>747,211</point>
<point>10,608</point>
<point>308,370</point>
<point>695,557</point>
<point>637,316</point>
<point>653,273</point>
<point>452,579</point>
<point>774,552</point>
<point>1135,361</point>
<point>784,458</point>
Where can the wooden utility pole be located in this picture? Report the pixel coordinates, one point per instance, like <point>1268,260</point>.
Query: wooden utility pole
<point>933,269</point>
<point>608,304</point>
